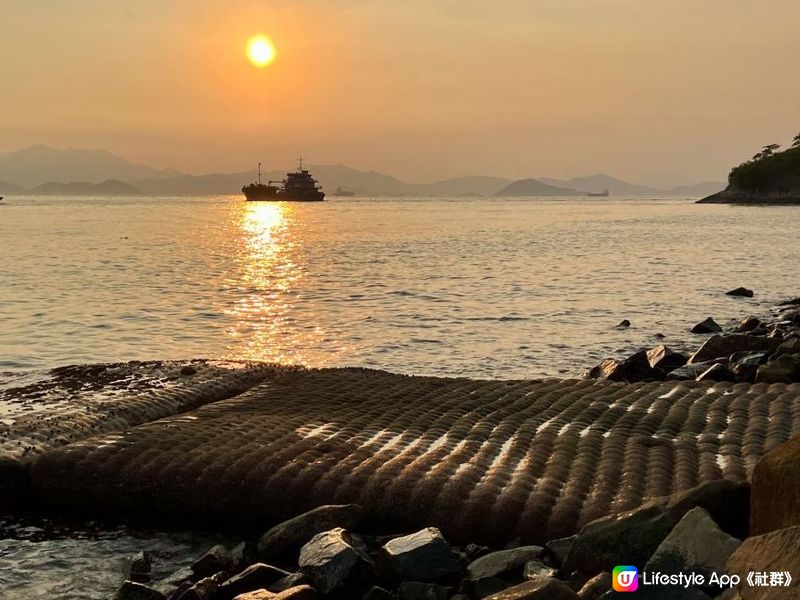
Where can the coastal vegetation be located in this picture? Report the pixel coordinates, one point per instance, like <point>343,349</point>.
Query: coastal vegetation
<point>769,170</point>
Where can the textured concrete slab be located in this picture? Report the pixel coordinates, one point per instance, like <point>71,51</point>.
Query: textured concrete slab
<point>482,460</point>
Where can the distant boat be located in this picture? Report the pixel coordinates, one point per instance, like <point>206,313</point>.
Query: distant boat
<point>299,186</point>
<point>343,192</point>
<point>603,194</point>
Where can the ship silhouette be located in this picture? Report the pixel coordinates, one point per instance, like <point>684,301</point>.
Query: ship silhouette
<point>299,186</point>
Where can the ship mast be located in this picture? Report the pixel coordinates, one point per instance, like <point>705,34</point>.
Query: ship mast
<point>300,163</point>
<point>259,173</point>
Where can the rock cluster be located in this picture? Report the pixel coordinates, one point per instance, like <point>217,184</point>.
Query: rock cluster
<point>748,351</point>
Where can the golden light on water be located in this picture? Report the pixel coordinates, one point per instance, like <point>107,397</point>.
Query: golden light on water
<point>261,51</point>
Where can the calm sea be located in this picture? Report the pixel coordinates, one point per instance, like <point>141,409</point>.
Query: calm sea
<point>478,287</point>
<point>484,287</point>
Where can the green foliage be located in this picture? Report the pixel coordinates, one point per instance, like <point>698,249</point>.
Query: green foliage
<point>769,170</point>
<point>796,141</point>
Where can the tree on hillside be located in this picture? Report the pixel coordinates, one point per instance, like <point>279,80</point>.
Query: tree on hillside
<point>796,141</point>
<point>767,151</point>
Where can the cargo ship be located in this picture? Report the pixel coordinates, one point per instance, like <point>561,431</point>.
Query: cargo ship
<point>299,186</point>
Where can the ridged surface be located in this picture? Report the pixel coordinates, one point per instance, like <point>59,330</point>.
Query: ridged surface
<point>483,460</point>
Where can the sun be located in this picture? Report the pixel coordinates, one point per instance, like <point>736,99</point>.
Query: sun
<point>261,51</point>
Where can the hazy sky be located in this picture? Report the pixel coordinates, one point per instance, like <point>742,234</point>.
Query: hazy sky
<point>643,89</point>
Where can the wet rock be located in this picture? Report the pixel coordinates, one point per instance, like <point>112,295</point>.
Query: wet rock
<point>417,590</point>
<point>300,592</point>
<point>377,593</point>
<point>576,581</point>
<point>141,565</point>
<point>716,372</point>
<point>188,370</point>
<point>422,556</point>
<point>664,358</point>
<point>205,589</point>
<point>545,588</point>
<point>132,590</point>
<point>688,372</point>
<point>772,552</point>
<point>740,291</point>
<point>633,536</point>
<point>792,302</point>
<point>502,561</point>
<point>330,560</point>
<point>473,551</point>
<point>790,346</point>
<point>624,324</point>
<point>634,368</point>
<point>254,577</point>
<point>176,580</point>
<point>744,365</point>
<point>707,326</point>
<point>696,544</point>
<point>290,581</point>
<point>558,548</point>
<point>536,568</point>
<point>596,587</point>
<point>282,543</point>
<point>217,559</point>
<point>749,324</point>
<point>722,346</point>
<point>784,369</point>
<point>776,489</point>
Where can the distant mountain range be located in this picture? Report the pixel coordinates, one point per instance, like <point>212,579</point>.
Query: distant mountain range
<point>41,169</point>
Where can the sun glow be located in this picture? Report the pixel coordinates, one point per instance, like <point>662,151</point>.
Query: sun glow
<point>261,51</point>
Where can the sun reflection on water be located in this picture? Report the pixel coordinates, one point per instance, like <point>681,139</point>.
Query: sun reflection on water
<point>270,266</point>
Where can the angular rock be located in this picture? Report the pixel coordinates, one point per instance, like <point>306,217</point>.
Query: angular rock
<point>665,358</point>
<point>744,365</point>
<point>772,552</point>
<point>688,372</point>
<point>716,372</point>
<point>722,346</point>
<point>596,587</point>
<point>330,560</point>
<point>536,568</point>
<point>775,496</point>
<point>740,291</point>
<point>178,579</point>
<point>488,586</point>
<point>696,544</point>
<point>707,326</point>
<point>300,592</point>
<point>205,589</point>
<point>633,536</point>
<point>417,590</point>
<point>790,346</point>
<point>284,541</point>
<point>624,324</point>
<point>473,551</point>
<point>502,561</point>
<point>290,581</point>
<point>256,595</point>
<point>132,590</point>
<point>783,369</point>
<point>749,324</point>
<point>545,588</point>
<point>254,577</point>
<point>634,368</point>
<point>422,556</point>
<point>217,559</point>
<point>558,548</point>
<point>141,565</point>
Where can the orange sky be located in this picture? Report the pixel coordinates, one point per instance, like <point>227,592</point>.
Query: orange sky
<point>423,89</point>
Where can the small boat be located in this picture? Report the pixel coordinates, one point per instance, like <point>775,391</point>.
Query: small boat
<point>344,193</point>
<point>603,194</point>
<point>299,186</point>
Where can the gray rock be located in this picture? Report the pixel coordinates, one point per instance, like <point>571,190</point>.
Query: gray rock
<point>688,372</point>
<point>217,559</point>
<point>141,565</point>
<point>502,561</point>
<point>665,358</point>
<point>783,369</point>
<point>417,590</point>
<point>707,326</point>
<point>422,556</point>
<point>740,291</point>
<point>175,580</point>
<point>744,365</point>
<point>716,373</point>
<point>749,324</point>
<point>205,589</point>
<point>282,543</point>
<point>790,346</point>
<point>633,536</point>
<point>254,577</point>
<point>330,560</point>
<point>596,587</point>
<point>695,544</point>
<point>558,548</point>
<point>536,568</point>
<point>545,588</point>
<point>132,590</point>
<point>723,346</point>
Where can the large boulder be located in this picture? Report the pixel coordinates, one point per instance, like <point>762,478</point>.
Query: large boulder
<point>331,561</point>
<point>558,548</point>
<point>749,324</point>
<point>282,543</point>
<point>775,496</point>
<point>740,291</point>
<point>688,372</point>
<point>634,368</point>
<point>744,365</point>
<point>717,372</point>
<point>502,562</point>
<point>774,552</point>
<point>596,587</point>
<point>132,590</point>
<point>254,577</point>
<point>695,545</point>
<point>707,326</point>
<point>218,558</point>
<point>722,346</point>
<point>205,589</point>
<point>633,536</point>
<point>422,556</point>
<point>665,358</point>
<point>783,369</point>
<point>544,588</point>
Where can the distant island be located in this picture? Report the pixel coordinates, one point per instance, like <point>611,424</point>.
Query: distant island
<point>44,170</point>
<point>770,177</point>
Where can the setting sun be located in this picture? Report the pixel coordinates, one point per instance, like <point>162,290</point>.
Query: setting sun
<point>261,51</point>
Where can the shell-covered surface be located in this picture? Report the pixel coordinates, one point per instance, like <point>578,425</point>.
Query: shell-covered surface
<point>484,461</point>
